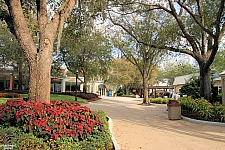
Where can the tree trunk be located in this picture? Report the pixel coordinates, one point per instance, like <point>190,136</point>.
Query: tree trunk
<point>205,82</point>
<point>127,89</point>
<point>85,87</point>
<point>32,81</point>
<point>40,80</point>
<point>145,88</point>
<point>40,59</point>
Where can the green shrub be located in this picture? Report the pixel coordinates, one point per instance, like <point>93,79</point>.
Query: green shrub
<point>21,140</point>
<point>120,92</point>
<point>202,109</point>
<point>219,97</point>
<point>160,100</point>
<point>191,88</point>
<point>27,141</point>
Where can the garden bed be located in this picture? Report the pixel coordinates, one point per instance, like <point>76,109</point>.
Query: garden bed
<point>201,109</point>
<point>9,95</point>
<point>59,125</point>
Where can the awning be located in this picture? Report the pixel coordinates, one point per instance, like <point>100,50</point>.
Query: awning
<point>102,86</point>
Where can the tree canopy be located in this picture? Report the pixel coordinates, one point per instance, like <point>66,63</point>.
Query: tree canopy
<point>219,62</point>
<point>35,25</point>
<point>123,72</point>
<point>144,57</point>
<point>187,27</point>
<point>172,70</point>
<point>89,52</point>
<point>11,55</point>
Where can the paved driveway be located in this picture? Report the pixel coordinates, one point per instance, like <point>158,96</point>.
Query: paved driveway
<point>148,128</point>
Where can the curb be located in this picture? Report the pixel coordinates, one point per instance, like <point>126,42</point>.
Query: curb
<point>116,146</point>
<point>219,124</point>
<point>203,122</point>
<point>94,101</point>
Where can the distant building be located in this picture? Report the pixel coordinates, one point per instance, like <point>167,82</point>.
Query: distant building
<point>181,80</point>
<point>9,80</point>
<point>161,89</point>
<point>217,84</point>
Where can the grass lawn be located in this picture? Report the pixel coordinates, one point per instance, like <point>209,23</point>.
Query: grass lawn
<point>67,98</point>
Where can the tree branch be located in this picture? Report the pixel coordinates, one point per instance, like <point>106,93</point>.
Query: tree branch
<point>185,51</point>
<point>220,33</point>
<point>182,27</point>
<point>19,27</point>
<point>196,20</point>
<point>4,15</point>
<point>59,18</point>
<point>125,29</point>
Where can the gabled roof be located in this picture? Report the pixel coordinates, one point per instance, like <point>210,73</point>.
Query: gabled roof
<point>222,73</point>
<point>183,79</point>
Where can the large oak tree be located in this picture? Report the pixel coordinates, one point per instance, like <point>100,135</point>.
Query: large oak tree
<point>129,77</point>
<point>50,17</point>
<point>90,54</point>
<point>144,57</point>
<point>194,27</point>
<point>39,57</point>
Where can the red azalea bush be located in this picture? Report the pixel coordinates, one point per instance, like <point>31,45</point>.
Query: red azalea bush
<point>9,95</point>
<point>50,121</point>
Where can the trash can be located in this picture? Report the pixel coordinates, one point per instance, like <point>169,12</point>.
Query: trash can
<point>174,110</point>
<point>110,93</point>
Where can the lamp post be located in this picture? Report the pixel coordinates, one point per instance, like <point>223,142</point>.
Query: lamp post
<point>11,82</point>
<point>76,85</point>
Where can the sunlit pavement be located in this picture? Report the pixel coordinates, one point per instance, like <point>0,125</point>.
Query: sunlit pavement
<point>148,127</point>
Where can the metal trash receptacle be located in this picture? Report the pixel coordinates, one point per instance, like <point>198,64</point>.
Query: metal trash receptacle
<point>174,110</point>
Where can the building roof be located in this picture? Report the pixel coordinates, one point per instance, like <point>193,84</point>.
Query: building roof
<point>217,79</point>
<point>183,79</point>
<point>222,73</point>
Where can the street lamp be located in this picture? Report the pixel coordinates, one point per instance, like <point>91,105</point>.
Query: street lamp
<point>76,85</point>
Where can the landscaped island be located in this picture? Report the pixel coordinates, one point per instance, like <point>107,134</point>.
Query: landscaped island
<point>58,125</point>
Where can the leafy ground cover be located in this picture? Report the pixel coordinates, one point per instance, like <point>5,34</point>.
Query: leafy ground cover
<point>58,125</point>
<point>201,109</point>
<point>198,108</point>
<point>160,100</point>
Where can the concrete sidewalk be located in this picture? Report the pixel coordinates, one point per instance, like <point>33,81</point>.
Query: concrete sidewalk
<point>148,128</point>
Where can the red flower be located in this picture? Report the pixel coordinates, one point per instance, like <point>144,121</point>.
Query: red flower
<point>36,122</point>
<point>72,135</point>
<point>43,123</point>
<point>27,112</point>
<point>55,120</point>
<point>49,129</point>
<point>30,127</point>
<point>54,136</point>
